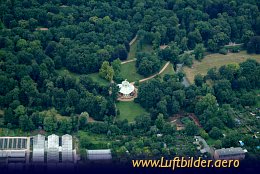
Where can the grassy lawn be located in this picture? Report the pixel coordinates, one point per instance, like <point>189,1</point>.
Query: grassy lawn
<point>129,72</point>
<point>147,48</point>
<point>210,141</point>
<point>96,78</point>
<point>98,141</point>
<point>169,70</point>
<point>1,117</point>
<point>64,72</point>
<point>133,47</point>
<point>129,110</point>
<point>216,60</point>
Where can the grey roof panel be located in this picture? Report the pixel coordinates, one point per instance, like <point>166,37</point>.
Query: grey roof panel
<point>104,154</point>
<point>230,151</point>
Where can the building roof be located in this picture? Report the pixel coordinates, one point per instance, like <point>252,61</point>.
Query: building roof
<point>38,142</point>
<point>11,143</point>
<point>104,154</point>
<point>66,142</point>
<point>230,151</point>
<point>53,141</point>
<point>53,148</point>
<point>241,143</point>
<point>126,87</point>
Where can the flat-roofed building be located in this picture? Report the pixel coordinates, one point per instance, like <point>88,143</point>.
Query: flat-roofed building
<point>236,153</point>
<point>11,143</point>
<point>103,154</point>
<point>14,149</point>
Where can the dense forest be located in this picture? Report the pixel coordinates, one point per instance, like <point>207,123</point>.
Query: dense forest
<point>38,38</point>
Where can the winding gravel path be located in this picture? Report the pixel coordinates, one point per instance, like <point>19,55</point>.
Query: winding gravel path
<point>152,76</point>
<point>128,61</point>
<point>133,40</point>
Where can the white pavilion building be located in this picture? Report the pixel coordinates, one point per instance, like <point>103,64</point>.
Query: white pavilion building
<point>126,88</point>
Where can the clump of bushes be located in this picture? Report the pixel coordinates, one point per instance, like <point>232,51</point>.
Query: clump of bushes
<point>235,49</point>
<point>223,51</point>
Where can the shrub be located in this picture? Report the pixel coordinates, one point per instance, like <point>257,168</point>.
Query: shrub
<point>235,49</point>
<point>223,51</point>
<point>215,133</point>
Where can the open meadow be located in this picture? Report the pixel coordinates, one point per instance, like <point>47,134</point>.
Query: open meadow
<point>216,60</point>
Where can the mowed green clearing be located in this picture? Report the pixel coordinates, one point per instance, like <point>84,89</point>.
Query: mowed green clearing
<point>217,60</point>
<point>132,51</point>
<point>129,110</point>
<point>129,72</point>
<point>65,72</point>
<point>96,78</point>
<point>96,141</point>
<point>147,48</point>
<point>169,70</point>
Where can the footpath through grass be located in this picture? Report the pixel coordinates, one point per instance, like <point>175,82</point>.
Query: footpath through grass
<point>217,60</point>
<point>129,110</point>
<point>169,70</point>
<point>132,51</point>
<point>129,72</point>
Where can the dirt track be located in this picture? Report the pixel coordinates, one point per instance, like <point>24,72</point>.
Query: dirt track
<point>127,61</point>
<point>133,40</point>
<point>152,76</point>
